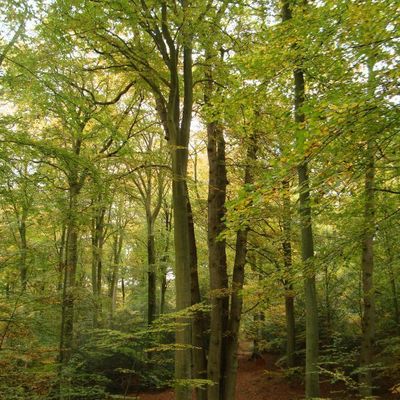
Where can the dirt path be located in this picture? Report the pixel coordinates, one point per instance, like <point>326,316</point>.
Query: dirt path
<point>262,380</point>
<point>257,380</point>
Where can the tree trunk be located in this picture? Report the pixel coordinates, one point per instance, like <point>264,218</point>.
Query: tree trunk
<point>328,311</point>
<point>307,242</point>
<point>23,249</point>
<point>236,301</point>
<point>367,269</point>
<point>165,259</point>
<point>216,258</point>
<point>307,251</point>
<point>179,133</point>
<point>199,360</point>
<point>97,259</point>
<point>67,325</point>
<point>151,273</point>
<point>117,248</point>
<point>61,258</point>
<point>393,285</point>
<point>182,268</point>
<point>287,261</point>
<point>123,289</point>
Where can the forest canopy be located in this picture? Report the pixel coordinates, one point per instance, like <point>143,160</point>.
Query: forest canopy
<point>188,187</point>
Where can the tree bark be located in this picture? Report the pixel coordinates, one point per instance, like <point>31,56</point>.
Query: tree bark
<point>217,258</point>
<point>236,300</point>
<point>71,260</point>
<point>151,273</point>
<point>97,258</point>
<point>307,240</point>
<point>165,259</point>
<point>23,248</point>
<point>307,251</point>
<point>199,342</point>
<point>287,261</point>
<point>367,269</point>
<point>112,293</point>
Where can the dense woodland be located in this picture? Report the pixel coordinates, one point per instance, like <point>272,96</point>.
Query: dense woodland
<point>182,177</point>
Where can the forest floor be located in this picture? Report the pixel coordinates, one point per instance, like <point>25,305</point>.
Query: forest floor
<point>262,379</point>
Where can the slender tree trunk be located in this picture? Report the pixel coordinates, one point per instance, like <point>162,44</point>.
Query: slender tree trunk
<point>393,285</point>
<point>117,249</point>
<point>97,259</point>
<point>164,260</point>
<point>217,258</point>
<point>367,268</point>
<point>328,311</point>
<point>258,318</point>
<point>151,262</point>
<point>67,326</point>
<point>23,249</point>
<point>123,289</point>
<point>307,251</point>
<point>236,301</point>
<point>61,258</point>
<point>289,295</point>
<point>307,241</point>
<point>199,361</point>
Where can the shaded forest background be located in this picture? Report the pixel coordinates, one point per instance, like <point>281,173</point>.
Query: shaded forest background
<point>181,177</point>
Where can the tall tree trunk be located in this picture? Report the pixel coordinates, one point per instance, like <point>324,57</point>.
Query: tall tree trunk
<point>23,248</point>
<point>287,260</point>
<point>307,241</point>
<point>151,273</point>
<point>216,258</point>
<point>393,285</point>
<point>328,311</point>
<point>307,251</point>
<point>71,260</point>
<point>97,258</point>
<point>165,259</point>
<point>367,269</point>
<point>61,258</point>
<point>199,360</point>
<point>236,300</point>
<point>176,116</point>
<point>182,268</point>
<point>112,293</point>
<point>123,289</point>
<point>179,132</point>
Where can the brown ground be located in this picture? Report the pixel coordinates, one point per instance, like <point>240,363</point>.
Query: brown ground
<point>262,380</point>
